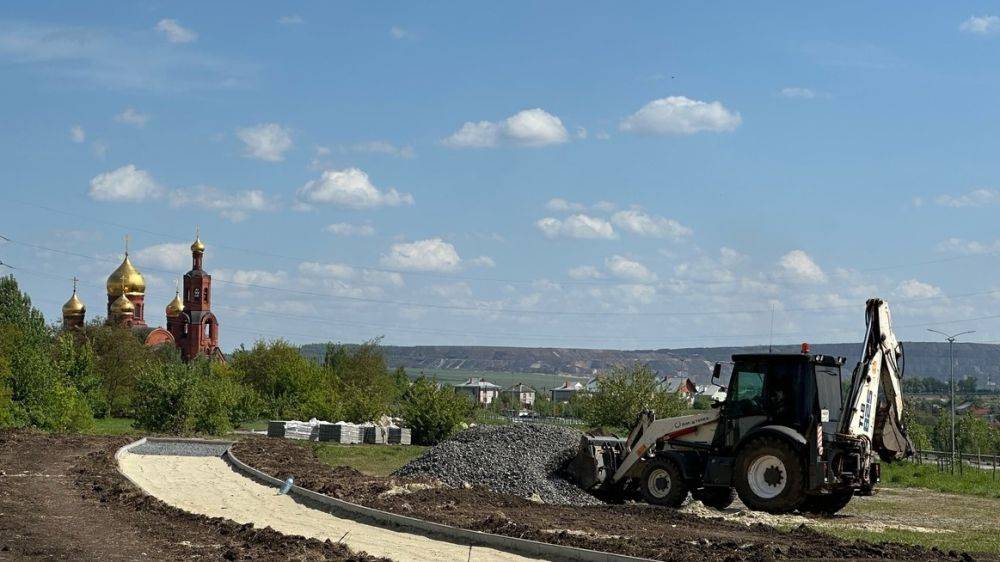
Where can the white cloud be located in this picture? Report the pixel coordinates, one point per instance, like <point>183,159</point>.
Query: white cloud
<point>345,272</point>
<point>348,229</point>
<point>170,256</point>
<point>531,127</point>
<point>351,187</point>
<point>606,206</point>
<point>130,116</point>
<point>974,198</point>
<point>629,270</point>
<point>798,267</point>
<point>174,32</point>
<point>400,33</point>
<point>252,277</point>
<point>981,25</point>
<point>639,223</point>
<point>231,206</point>
<point>678,115</point>
<point>913,289</point>
<point>577,226</point>
<point>381,147</point>
<point>585,272</point>
<point>293,19</point>
<point>423,255</point>
<point>483,261</point>
<point>967,247</point>
<point>266,141</point>
<point>561,205</point>
<point>124,184</point>
<point>798,92</point>
<point>77,134</point>
<point>581,133</point>
<point>640,294</point>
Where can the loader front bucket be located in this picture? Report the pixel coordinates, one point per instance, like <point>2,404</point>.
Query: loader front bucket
<point>596,461</point>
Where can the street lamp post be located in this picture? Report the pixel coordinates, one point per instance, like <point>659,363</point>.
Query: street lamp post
<point>951,362</point>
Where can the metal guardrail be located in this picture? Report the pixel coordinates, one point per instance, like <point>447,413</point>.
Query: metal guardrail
<point>948,462</point>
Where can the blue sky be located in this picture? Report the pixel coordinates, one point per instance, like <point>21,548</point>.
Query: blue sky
<point>557,174</point>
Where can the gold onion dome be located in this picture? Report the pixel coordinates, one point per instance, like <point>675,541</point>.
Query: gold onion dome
<point>176,306</point>
<point>122,306</point>
<point>74,306</point>
<point>198,246</point>
<point>126,276</point>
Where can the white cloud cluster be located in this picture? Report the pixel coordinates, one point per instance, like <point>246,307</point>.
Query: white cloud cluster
<point>348,229</point>
<point>585,272</point>
<point>382,147</point>
<point>642,224</point>
<point>127,183</point>
<point>968,247</point>
<point>679,115</point>
<point>974,198</point>
<point>231,206</point>
<point>798,267</point>
<point>266,141</point>
<point>981,25</point>
<point>483,261</point>
<point>345,272</point>
<point>561,205</point>
<point>531,127</point>
<point>170,256</point>
<point>351,188</point>
<point>798,92</point>
<point>175,32</point>
<point>577,226</point>
<point>913,289</point>
<point>433,254</point>
<point>130,116</point>
<point>77,134</point>
<point>629,270</point>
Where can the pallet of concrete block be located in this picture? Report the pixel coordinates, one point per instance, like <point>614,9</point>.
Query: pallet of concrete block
<point>276,428</point>
<point>295,429</point>
<point>398,436</point>
<point>374,434</point>
<point>340,432</point>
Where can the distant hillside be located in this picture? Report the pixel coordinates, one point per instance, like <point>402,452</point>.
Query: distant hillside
<point>922,358</point>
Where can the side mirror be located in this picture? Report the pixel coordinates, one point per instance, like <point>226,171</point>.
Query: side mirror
<point>717,372</point>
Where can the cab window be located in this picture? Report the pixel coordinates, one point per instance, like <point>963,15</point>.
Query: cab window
<point>747,399</point>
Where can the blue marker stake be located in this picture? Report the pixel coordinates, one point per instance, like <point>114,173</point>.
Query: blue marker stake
<point>287,486</point>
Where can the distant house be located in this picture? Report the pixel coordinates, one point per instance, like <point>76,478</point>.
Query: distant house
<point>679,385</point>
<point>591,385</point>
<point>713,392</point>
<point>479,390</point>
<point>565,392</point>
<point>521,395</point>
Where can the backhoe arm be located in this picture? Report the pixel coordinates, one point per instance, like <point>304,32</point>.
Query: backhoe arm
<point>865,416</point>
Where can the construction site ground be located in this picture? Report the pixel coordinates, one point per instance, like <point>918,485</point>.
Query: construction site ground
<point>61,497</point>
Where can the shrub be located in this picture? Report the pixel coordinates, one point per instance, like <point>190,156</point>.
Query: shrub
<point>433,412</point>
<point>622,394</point>
<point>284,379</point>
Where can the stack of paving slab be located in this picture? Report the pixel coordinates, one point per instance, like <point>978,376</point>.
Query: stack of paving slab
<point>340,432</point>
<point>398,436</point>
<point>375,434</point>
<point>275,428</point>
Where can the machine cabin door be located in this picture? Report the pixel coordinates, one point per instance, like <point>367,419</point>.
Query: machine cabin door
<point>745,406</point>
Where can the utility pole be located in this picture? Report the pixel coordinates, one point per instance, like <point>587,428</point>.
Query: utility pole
<point>951,361</point>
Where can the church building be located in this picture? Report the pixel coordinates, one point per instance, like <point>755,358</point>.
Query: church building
<point>191,326</point>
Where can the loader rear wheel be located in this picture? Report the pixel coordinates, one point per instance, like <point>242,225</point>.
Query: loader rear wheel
<point>715,497</point>
<point>663,484</point>
<point>827,504</point>
<point>770,476</point>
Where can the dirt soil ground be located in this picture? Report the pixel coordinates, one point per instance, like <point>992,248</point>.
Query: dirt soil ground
<point>62,498</point>
<point>637,530</point>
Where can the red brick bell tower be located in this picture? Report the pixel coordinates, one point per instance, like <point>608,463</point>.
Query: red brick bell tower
<point>199,329</point>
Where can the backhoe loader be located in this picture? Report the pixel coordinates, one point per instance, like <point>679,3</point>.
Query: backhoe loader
<point>785,438</point>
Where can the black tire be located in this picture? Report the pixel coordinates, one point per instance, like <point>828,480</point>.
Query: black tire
<point>770,475</point>
<point>827,504</point>
<point>662,483</point>
<point>715,497</point>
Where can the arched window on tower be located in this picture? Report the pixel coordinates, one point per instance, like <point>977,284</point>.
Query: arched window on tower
<point>206,295</point>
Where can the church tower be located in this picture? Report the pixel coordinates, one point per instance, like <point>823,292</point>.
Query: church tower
<point>200,328</point>
<point>73,311</point>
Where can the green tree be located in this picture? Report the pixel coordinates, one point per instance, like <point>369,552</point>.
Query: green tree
<point>972,434</point>
<point>362,380</point>
<point>122,358</point>
<point>16,310</point>
<point>432,411</point>
<point>967,385</point>
<point>622,394</point>
<point>283,377</point>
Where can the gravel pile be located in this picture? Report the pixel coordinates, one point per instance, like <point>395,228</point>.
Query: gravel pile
<point>180,448</point>
<point>519,459</point>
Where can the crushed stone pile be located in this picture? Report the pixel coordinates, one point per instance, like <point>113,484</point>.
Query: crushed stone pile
<point>519,459</point>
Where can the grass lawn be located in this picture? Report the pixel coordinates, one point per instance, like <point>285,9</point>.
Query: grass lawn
<point>112,426</point>
<point>912,475</point>
<point>375,460</point>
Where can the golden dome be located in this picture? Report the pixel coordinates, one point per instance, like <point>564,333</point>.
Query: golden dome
<point>74,306</point>
<point>126,276</point>
<point>198,246</point>
<point>176,306</point>
<point>122,306</point>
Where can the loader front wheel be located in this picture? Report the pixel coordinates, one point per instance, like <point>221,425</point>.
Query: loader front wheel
<point>770,476</point>
<point>827,504</point>
<point>663,484</point>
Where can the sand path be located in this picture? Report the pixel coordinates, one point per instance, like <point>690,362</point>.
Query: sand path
<point>208,486</point>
